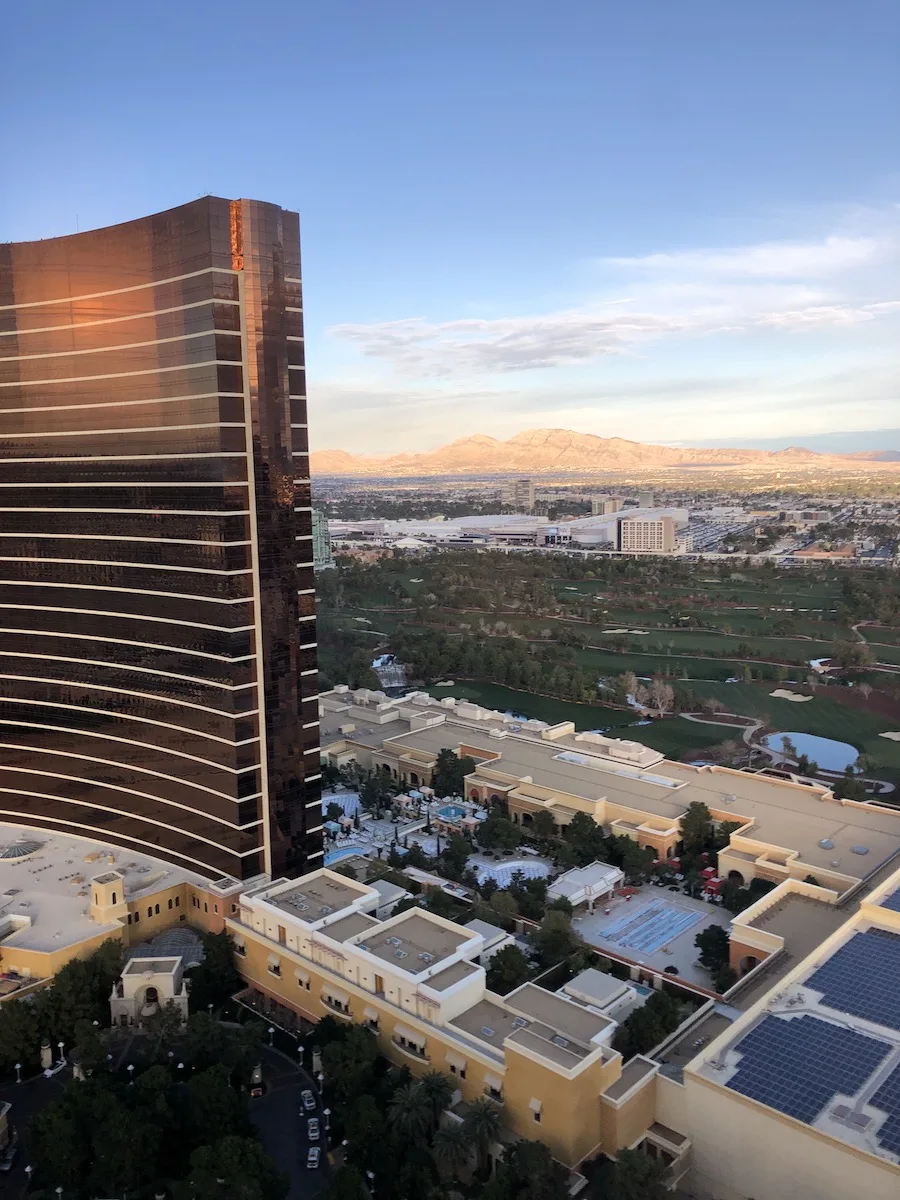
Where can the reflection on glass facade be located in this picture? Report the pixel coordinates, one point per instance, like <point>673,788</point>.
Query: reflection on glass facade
<point>157,613</point>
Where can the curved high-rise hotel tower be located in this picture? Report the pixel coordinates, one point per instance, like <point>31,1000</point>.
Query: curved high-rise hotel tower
<point>157,619</point>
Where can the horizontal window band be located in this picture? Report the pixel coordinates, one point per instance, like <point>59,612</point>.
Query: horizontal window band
<point>96,637</point>
<point>112,537</point>
<point>151,849</point>
<point>102,562</point>
<point>123,812</point>
<point>210,362</point>
<point>292,279</point>
<point>116,691</point>
<point>157,483</point>
<point>111,458</point>
<point>124,430</point>
<point>109,737</point>
<point>123,403</point>
<point>114,666</point>
<point>140,512</point>
<point>137,287</point>
<point>153,312</point>
<point>181,337</point>
<point>102,587</point>
<point>104,612</point>
<point>115,787</point>
<point>293,337</point>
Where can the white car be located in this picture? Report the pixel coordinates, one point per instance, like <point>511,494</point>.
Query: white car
<point>312,1129</point>
<point>308,1099</point>
<point>312,1159</point>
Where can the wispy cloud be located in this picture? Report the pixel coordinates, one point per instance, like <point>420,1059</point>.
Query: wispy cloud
<point>766,260</point>
<point>838,281</point>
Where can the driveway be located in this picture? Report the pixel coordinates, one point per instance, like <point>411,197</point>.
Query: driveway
<point>283,1131</point>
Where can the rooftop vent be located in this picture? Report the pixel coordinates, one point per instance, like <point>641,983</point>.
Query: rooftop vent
<point>487,1031</point>
<point>426,957</point>
<point>394,941</point>
<point>559,1040</point>
<point>826,844</point>
<point>520,1023</point>
<point>859,849</point>
<point>326,909</point>
<point>401,954</point>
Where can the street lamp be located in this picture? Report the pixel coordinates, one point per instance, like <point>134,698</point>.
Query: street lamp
<point>61,1049</point>
<point>321,1079</point>
<point>130,1070</point>
<point>370,1176</point>
<point>326,1113</point>
<point>18,1072</point>
<point>28,1171</point>
<point>271,1033</point>
<point>59,1191</point>
<point>210,1008</point>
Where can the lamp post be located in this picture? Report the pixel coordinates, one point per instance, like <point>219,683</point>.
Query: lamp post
<point>320,1078</point>
<point>130,1069</point>
<point>18,1072</point>
<point>28,1171</point>
<point>59,1193</point>
<point>370,1176</point>
<point>326,1113</point>
<point>62,1048</point>
<point>271,1033</point>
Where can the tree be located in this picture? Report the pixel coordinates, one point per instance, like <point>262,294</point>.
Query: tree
<point>439,1091</point>
<point>456,852</point>
<point>697,833</point>
<point>451,1149</point>
<point>637,1176</point>
<point>449,774</point>
<point>661,695</point>
<point>216,979</point>
<point>498,833</point>
<point>648,1025</point>
<point>482,1126</point>
<point>543,825</point>
<point>347,1183</point>
<point>214,1107</point>
<point>527,1171</point>
<point>235,1168</point>
<point>349,1062</point>
<point>504,905</point>
<point>409,1113</point>
<point>507,970</point>
<point>713,944</point>
<point>556,939</point>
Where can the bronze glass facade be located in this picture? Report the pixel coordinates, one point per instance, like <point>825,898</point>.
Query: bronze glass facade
<point>157,614</point>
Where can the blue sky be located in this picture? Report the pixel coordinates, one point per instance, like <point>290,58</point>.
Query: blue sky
<point>675,222</point>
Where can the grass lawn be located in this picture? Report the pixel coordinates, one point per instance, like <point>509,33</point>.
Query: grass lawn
<point>881,634</point>
<point>820,716</point>
<point>607,663</point>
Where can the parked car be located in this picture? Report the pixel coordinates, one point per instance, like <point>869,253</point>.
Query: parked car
<point>508,853</point>
<point>8,1157</point>
<point>312,1129</point>
<point>308,1099</point>
<point>312,1159</point>
<point>256,1081</point>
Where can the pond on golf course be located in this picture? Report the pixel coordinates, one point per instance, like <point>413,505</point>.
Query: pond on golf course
<point>829,754</point>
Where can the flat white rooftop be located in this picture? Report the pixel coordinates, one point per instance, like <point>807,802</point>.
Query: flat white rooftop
<point>45,877</point>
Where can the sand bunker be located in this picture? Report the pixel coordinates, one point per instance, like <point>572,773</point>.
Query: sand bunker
<point>781,694</point>
<point>893,736</point>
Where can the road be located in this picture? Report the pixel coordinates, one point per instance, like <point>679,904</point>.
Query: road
<point>281,1128</point>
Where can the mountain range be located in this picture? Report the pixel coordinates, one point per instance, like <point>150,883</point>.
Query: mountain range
<point>560,451</point>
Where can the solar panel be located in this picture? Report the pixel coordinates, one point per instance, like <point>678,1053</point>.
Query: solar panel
<point>888,1098</point>
<point>861,978</point>
<point>798,1065</point>
<point>892,901</point>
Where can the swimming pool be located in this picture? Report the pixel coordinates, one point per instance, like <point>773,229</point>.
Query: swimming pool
<point>334,856</point>
<point>451,812</point>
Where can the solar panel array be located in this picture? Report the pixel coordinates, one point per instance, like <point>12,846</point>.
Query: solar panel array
<point>862,978</point>
<point>797,1065</point>
<point>892,901</point>
<point>888,1098</point>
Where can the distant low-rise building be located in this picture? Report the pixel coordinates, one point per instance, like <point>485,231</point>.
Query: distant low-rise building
<point>647,535</point>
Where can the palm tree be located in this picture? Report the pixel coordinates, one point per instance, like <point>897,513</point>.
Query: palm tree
<point>410,1112</point>
<point>439,1090</point>
<point>451,1148</point>
<point>482,1126</point>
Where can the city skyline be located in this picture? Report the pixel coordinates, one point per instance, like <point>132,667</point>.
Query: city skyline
<point>572,219</point>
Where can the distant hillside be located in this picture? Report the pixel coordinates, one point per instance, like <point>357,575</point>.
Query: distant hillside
<point>542,451</point>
